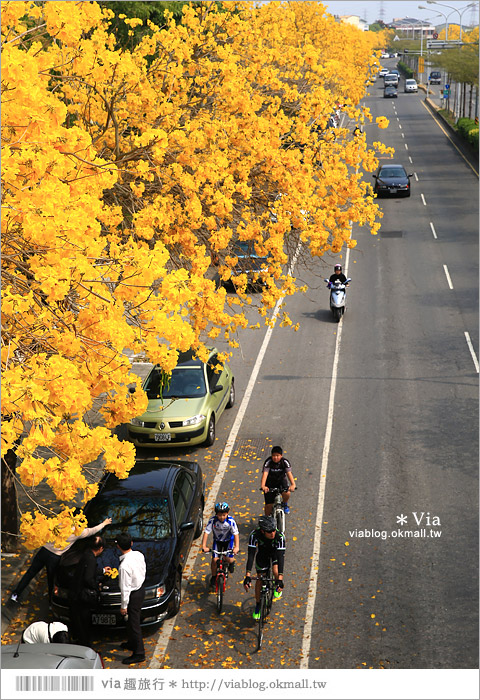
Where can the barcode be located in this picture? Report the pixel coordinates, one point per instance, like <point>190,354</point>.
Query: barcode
<point>51,683</point>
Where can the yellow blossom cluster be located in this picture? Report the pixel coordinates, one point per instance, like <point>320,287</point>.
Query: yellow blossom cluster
<point>126,172</point>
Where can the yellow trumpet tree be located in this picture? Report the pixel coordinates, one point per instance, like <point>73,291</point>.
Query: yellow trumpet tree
<point>124,173</point>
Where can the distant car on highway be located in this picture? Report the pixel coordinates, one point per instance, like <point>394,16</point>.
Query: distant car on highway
<point>390,79</point>
<point>410,85</point>
<point>392,178</point>
<point>435,77</point>
<point>50,656</point>
<point>390,91</point>
<point>383,72</point>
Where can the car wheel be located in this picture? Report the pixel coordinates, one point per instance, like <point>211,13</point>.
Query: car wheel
<point>176,597</point>
<point>199,528</point>
<point>231,398</point>
<point>210,439</point>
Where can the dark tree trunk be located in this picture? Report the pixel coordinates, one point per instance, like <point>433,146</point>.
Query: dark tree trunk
<point>9,515</point>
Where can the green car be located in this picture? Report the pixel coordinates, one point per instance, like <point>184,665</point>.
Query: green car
<point>184,409</point>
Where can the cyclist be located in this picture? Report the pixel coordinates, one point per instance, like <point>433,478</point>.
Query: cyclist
<point>277,473</point>
<point>225,536</point>
<point>268,544</point>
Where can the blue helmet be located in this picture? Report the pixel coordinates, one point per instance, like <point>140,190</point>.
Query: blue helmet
<point>222,507</point>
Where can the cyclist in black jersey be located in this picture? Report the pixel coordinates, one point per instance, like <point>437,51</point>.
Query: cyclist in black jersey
<point>268,544</point>
<point>277,473</point>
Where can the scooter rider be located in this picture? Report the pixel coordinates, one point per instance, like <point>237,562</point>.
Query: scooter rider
<point>337,276</point>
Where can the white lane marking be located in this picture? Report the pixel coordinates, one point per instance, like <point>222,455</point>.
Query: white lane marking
<point>423,200</point>
<point>410,159</point>
<point>167,627</point>
<point>406,147</point>
<point>314,569</point>
<point>399,125</point>
<point>433,230</point>
<point>447,275</point>
<point>472,351</point>
<point>403,135</point>
<point>415,176</point>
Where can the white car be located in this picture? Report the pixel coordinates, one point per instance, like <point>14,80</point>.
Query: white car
<point>411,85</point>
<point>383,72</point>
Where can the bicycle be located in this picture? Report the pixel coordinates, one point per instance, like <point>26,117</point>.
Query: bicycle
<point>221,575</point>
<point>278,513</point>
<point>266,598</point>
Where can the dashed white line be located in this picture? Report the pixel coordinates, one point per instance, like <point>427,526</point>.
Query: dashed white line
<point>472,351</point>
<point>433,230</point>
<point>423,199</point>
<point>406,147</point>
<point>410,159</point>
<point>403,135</point>
<point>447,275</point>
<point>415,176</point>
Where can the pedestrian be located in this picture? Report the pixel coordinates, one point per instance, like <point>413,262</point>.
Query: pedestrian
<point>46,632</point>
<point>131,573</point>
<point>48,556</point>
<point>84,591</point>
<point>277,473</point>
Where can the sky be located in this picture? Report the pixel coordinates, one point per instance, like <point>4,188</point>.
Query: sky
<point>371,10</point>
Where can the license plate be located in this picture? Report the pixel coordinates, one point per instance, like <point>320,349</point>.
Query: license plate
<point>103,619</point>
<point>393,190</point>
<point>163,437</point>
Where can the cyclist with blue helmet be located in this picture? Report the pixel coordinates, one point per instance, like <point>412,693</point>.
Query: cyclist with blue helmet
<point>225,536</point>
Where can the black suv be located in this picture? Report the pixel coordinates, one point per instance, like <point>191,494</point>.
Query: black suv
<point>160,504</point>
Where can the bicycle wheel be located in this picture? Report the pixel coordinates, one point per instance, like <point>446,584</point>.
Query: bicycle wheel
<point>268,599</point>
<point>220,589</point>
<point>280,519</point>
<point>261,620</point>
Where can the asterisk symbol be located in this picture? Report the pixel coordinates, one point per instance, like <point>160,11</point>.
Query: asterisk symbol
<point>401,519</point>
<point>173,684</point>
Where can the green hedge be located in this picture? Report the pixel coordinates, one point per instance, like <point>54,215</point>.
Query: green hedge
<point>403,68</point>
<point>469,130</point>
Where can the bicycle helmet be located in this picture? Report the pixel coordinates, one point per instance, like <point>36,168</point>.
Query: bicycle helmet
<point>338,267</point>
<point>222,507</point>
<point>267,524</point>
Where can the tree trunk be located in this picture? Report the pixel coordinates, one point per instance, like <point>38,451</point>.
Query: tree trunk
<point>9,517</point>
<point>470,103</point>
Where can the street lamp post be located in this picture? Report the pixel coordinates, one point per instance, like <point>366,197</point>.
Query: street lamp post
<point>454,9</point>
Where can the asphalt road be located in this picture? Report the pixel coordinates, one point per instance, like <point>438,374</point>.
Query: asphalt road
<point>392,450</point>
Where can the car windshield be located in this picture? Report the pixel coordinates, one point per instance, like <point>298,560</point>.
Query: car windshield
<point>392,172</point>
<point>143,519</point>
<point>185,383</point>
<point>243,248</point>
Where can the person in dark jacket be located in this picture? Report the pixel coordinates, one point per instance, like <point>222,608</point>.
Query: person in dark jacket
<point>84,590</point>
<point>337,276</point>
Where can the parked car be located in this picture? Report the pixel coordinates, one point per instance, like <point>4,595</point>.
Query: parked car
<point>390,79</point>
<point>184,409</point>
<point>390,91</point>
<point>435,77</point>
<point>50,656</point>
<point>410,85</point>
<point>392,178</point>
<point>160,504</point>
<point>249,262</point>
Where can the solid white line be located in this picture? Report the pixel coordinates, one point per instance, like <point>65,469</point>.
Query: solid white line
<point>168,625</point>
<point>423,200</point>
<point>447,275</point>
<point>314,570</point>
<point>433,230</point>
<point>472,351</point>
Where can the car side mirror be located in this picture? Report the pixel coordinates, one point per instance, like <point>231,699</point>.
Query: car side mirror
<point>217,388</point>
<point>410,175</point>
<point>188,525</point>
<point>131,389</point>
<point>374,177</point>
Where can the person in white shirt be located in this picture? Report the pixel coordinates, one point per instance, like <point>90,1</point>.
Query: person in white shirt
<point>45,632</point>
<point>131,575</point>
<point>49,556</point>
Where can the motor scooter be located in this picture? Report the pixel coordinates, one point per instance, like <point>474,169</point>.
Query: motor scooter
<point>338,297</point>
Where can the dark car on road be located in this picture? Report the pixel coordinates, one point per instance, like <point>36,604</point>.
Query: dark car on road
<point>390,91</point>
<point>160,504</point>
<point>250,264</point>
<point>392,178</point>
